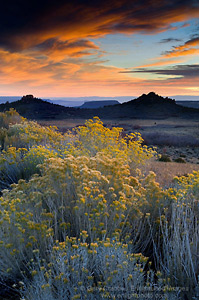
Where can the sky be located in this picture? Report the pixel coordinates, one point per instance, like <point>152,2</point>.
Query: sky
<point>112,48</point>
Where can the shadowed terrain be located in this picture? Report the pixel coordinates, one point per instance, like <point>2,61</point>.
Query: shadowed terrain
<point>150,106</point>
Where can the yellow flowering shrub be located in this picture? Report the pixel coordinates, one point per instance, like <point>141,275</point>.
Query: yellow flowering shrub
<point>30,133</point>
<point>90,198</point>
<point>94,137</point>
<point>81,220</point>
<point>21,163</point>
<point>180,232</point>
<point>16,131</point>
<point>103,270</point>
<point>9,117</point>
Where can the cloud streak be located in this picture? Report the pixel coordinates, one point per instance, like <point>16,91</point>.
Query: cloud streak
<point>162,63</point>
<point>169,40</point>
<point>187,71</point>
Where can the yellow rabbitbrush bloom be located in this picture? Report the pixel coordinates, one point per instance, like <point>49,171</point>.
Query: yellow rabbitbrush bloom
<point>32,133</point>
<point>65,202</point>
<point>94,137</point>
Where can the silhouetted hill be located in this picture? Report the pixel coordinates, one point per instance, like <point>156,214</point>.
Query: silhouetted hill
<point>34,108</point>
<point>150,106</point>
<point>98,104</point>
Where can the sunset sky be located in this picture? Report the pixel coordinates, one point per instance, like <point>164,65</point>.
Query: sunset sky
<point>99,48</point>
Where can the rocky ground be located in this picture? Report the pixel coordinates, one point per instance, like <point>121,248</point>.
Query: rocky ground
<point>188,154</point>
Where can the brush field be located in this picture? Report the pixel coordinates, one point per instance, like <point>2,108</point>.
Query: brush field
<point>84,216</point>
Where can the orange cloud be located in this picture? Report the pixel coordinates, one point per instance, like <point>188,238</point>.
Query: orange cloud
<point>17,67</point>
<point>57,49</point>
<point>191,47</point>
<point>162,63</point>
<point>41,76</point>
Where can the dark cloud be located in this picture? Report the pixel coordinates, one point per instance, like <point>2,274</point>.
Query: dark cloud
<point>179,70</point>
<point>27,23</point>
<point>169,40</point>
<point>195,35</point>
<point>193,41</point>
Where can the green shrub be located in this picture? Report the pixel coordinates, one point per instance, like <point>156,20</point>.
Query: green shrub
<point>165,158</point>
<point>180,160</point>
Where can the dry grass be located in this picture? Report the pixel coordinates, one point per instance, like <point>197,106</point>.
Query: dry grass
<point>166,171</point>
<point>128,122</point>
<point>189,154</point>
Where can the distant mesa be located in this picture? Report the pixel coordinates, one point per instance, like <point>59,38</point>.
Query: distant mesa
<point>98,104</point>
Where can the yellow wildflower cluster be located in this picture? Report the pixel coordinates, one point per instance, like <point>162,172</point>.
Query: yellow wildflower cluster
<point>94,137</point>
